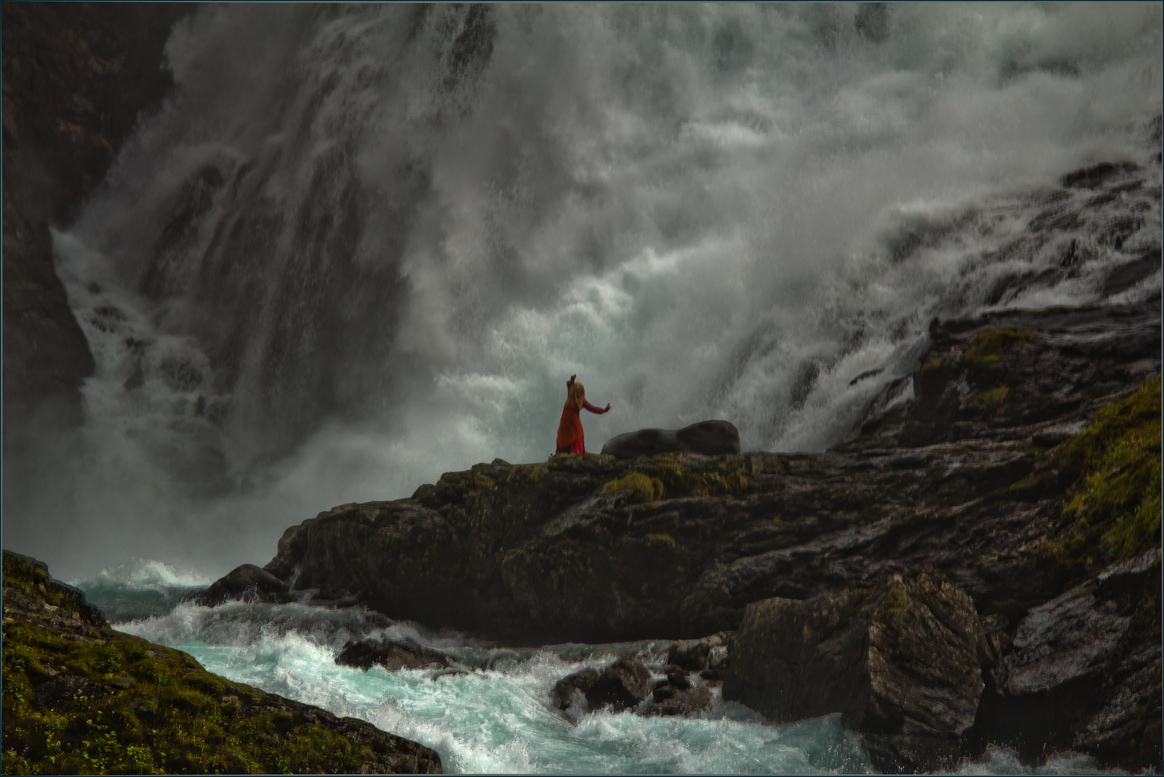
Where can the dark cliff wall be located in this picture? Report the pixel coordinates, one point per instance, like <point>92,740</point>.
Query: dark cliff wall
<point>76,79</point>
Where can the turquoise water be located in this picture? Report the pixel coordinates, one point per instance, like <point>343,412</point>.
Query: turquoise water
<point>496,715</point>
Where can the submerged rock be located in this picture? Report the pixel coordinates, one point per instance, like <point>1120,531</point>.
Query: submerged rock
<point>678,694</point>
<point>622,685</point>
<point>391,654</point>
<point>899,663</point>
<point>707,438</point>
<point>121,705</point>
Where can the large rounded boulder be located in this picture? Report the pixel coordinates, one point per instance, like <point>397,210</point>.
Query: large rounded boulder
<point>708,438</point>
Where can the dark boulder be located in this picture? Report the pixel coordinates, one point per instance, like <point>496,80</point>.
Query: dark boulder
<point>900,663</point>
<point>391,655</point>
<point>622,685</point>
<point>708,438</point>
<point>246,583</point>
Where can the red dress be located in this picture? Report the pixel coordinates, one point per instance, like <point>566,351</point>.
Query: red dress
<point>570,437</point>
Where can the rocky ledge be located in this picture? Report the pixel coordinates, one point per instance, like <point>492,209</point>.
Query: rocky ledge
<point>1022,481</point>
<point>81,698</point>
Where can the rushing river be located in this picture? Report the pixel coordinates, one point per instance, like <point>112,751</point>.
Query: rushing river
<point>496,717</point>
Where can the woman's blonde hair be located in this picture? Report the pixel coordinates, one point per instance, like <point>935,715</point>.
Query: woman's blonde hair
<point>578,395</point>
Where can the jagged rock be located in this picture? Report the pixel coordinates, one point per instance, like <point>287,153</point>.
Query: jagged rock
<point>708,438</point>
<point>1083,672</point>
<point>66,669</point>
<point>391,654</point>
<point>693,654</point>
<point>622,685</point>
<point>246,583</point>
<point>899,663</point>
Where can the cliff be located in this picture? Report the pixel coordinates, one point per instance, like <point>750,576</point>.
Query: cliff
<point>80,697</point>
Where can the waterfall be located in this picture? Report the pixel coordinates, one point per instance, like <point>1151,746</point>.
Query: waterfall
<point>360,246</point>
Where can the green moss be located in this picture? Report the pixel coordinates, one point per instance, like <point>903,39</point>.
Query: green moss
<point>989,345</point>
<point>992,401</point>
<point>483,481</point>
<point>932,364</point>
<point>659,541</point>
<point>1113,507</point>
<point>130,707</point>
<point>636,486</point>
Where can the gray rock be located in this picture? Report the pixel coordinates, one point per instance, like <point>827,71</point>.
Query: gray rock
<point>708,438</point>
<point>247,583</point>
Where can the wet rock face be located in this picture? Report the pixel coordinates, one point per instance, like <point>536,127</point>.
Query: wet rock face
<point>900,663</point>
<point>707,438</point>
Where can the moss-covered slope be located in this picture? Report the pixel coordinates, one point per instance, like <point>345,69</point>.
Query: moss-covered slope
<point>80,698</point>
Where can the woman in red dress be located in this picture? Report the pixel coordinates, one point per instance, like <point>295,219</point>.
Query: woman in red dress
<point>570,438</point>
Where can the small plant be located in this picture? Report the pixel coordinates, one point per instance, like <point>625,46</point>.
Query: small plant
<point>637,486</point>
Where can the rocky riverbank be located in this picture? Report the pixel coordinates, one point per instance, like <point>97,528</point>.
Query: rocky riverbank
<point>80,698</point>
<point>1023,479</point>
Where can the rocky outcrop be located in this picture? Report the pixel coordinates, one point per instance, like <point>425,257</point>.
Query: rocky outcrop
<point>969,478</point>
<point>244,583</point>
<point>1026,468</point>
<point>899,663</point>
<point>80,697</point>
<point>390,654</point>
<point>707,438</point>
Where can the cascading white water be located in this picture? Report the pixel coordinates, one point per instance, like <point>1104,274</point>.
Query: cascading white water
<point>361,246</point>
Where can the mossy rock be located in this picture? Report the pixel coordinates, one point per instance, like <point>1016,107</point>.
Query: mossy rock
<point>989,346</point>
<point>635,486</point>
<point>79,698</point>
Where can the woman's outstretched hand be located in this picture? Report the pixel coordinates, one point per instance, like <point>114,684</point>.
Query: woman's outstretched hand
<point>573,376</point>
<point>607,410</point>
